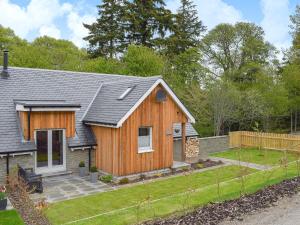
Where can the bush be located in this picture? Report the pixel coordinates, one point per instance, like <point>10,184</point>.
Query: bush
<point>143,177</point>
<point>106,178</point>
<point>81,164</point>
<point>200,165</point>
<point>2,192</point>
<point>93,169</point>
<point>124,180</point>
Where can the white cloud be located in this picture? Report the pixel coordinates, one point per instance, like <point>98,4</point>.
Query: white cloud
<point>51,31</point>
<point>78,31</point>
<point>276,22</point>
<point>212,12</point>
<point>37,14</point>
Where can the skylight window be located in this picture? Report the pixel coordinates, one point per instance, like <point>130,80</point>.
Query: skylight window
<point>125,93</point>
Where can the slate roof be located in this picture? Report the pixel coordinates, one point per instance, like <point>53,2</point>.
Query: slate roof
<point>190,131</point>
<point>39,87</point>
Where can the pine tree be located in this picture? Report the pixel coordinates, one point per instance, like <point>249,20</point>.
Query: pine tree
<point>148,22</point>
<point>295,26</point>
<point>187,29</point>
<point>106,35</point>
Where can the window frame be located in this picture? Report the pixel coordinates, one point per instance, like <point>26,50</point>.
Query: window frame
<point>147,148</point>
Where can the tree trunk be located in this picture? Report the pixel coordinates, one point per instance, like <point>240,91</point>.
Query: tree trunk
<point>291,122</point>
<point>296,117</point>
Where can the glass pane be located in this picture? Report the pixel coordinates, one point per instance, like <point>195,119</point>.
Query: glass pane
<point>57,147</point>
<point>42,148</point>
<point>144,141</point>
<point>144,131</point>
<point>144,137</point>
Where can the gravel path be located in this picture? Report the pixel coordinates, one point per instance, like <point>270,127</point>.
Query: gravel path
<point>246,164</point>
<point>286,212</point>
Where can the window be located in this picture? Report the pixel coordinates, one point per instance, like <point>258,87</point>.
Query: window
<point>145,139</point>
<point>125,93</point>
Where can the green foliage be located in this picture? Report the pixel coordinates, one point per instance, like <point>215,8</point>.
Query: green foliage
<point>187,29</point>
<point>142,61</point>
<point>148,22</point>
<point>81,164</point>
<point>106,178</point>
<point>107,34</point>
<point>93,169</point>
<point>124,180</point>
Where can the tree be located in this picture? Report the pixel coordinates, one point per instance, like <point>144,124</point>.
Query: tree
<point>148,22</point>
<point>223,99</point>
<point>106,35</point>
<point>143,61</point>
<point>290,72</point>
<point>187,29</point>
<point>236,51</point>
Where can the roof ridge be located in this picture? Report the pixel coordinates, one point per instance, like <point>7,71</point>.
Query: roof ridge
<point>126,81</point>
<point>78,72</point>
<point>91,103</point>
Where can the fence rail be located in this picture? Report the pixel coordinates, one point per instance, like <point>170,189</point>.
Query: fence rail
<point>264,140</point>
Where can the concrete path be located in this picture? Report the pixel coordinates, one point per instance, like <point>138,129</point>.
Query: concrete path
<point>286,212</point>
<point>246,164</point>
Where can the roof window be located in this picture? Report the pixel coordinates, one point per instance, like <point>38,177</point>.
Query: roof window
<point>125,93</point>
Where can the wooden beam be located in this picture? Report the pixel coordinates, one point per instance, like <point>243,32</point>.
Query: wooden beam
<point>183,134</point>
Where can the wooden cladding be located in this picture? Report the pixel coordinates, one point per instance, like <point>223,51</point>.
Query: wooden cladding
<point>48,120</point>
<point>117,150</point>
<point>264,140</point>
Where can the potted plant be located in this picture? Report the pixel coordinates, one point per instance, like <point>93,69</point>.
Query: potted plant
<point>3,198</point>
<point>94,174</point>
<point>82,169</point>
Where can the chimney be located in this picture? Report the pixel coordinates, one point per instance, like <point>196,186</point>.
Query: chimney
<point>4,73</point>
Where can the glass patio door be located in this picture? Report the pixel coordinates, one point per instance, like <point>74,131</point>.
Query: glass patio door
<point>50,155</point>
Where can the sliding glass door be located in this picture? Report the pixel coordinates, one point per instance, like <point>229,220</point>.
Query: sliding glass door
<point>50,156</point>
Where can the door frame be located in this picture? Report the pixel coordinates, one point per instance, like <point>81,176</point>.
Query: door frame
<point>50,168</point>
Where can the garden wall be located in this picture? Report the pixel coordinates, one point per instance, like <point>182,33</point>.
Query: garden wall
<point>206,146</point>
<point>213,144</point>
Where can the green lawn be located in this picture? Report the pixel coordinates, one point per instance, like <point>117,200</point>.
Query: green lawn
<point>131,196</point>
<point>254,155</point>
<point>98,209</point>
<point>10,217</point>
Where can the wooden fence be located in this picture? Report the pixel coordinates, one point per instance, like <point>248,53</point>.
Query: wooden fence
<point>264,140</point>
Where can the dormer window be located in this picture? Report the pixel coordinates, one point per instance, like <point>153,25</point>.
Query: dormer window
<point>125,93</point>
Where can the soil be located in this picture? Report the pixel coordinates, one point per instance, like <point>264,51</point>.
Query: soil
<point>216,213</point>
<point>286,212</point>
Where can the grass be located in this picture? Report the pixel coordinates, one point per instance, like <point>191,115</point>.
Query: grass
<point>10,217</point>
<point>254,155</point>
<point>146,196</point>
<point>229,189</point>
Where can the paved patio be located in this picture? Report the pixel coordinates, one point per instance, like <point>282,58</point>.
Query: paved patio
<point>68,187</point>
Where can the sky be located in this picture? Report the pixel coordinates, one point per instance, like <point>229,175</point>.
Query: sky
<point>63,18</point>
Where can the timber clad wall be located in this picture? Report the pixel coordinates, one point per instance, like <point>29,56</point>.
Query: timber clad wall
<point>117,150</point>
<point>48,120</point>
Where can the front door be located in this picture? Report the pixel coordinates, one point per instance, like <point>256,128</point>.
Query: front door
<point>51,152</point>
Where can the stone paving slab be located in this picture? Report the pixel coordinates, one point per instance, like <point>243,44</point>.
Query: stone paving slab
<point>68,187</point>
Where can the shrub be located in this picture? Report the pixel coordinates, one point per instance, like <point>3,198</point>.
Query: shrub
<point>82,164</point>
<point>200,165</point>
<point>2,192</point>
<point>106,178</point>
<point>185,168</point>
<point>142,176</point>
<point>124,180</point>
<point>93,169</point>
